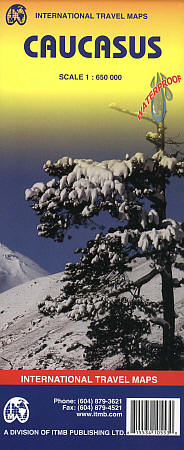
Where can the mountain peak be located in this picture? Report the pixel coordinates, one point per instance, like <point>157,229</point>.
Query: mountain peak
<point>16,269</point>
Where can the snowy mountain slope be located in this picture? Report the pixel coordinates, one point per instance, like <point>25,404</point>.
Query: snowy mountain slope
<point>24,299</point>
<point>30,340</point>
<point>16,269</point>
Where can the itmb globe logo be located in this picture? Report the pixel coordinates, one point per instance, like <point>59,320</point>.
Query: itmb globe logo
<point>16,13</point>
<point>16,408</point>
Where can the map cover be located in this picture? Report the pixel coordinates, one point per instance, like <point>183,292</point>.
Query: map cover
<point>92,224</point>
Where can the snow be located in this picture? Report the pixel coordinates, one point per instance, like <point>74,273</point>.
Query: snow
<point>63,182</point>
<point>51,183</point>
<point>171,231</point>
<point>152,291</point>
<point>25,297</point>
<point>47,194</point>
<point>153,217</point>
<point>40,186</point>
<point>16,269</point>
<point>139,157</point>
<point>29,193</point>
<point>63,194</point>
<point>86,212</point>
<point>91,183</point>
<point>168,163</point>
<point>30,340</point>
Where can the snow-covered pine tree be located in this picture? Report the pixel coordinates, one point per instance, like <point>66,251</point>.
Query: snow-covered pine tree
<point>168,161</point>
<point>132,190</point>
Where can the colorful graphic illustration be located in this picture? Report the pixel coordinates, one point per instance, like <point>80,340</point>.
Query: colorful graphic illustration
<point>158,105</point>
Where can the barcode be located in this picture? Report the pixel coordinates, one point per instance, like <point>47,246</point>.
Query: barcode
<point>153,416</point>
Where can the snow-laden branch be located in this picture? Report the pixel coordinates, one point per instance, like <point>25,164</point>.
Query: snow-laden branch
<point>82,188</point>
<point>170,232</point>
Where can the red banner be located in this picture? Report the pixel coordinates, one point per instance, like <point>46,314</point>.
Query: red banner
<point>91,377</point>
